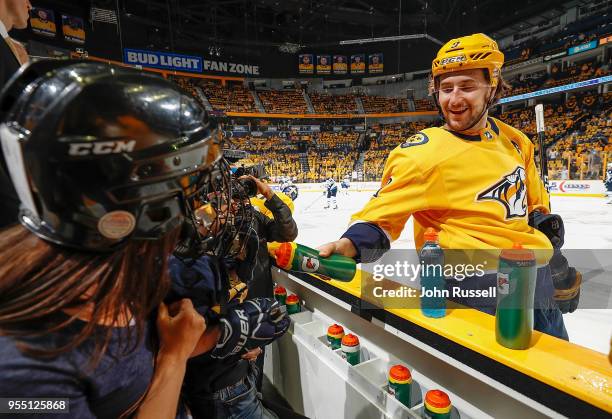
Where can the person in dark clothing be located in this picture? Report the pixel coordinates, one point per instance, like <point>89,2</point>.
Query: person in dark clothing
<point>224,386</point>
<point>254,269</point>
<point>82,277</point>
<point>13,14</point>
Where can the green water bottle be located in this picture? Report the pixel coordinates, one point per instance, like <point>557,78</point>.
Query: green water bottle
<point>280,294</point>
<point>516,279</point>
<point>335,333</point>
<point>351,351</point>
<point>400,384</point>
<point>293,304</point>
<point>300,258</point>
<point>437,405</point>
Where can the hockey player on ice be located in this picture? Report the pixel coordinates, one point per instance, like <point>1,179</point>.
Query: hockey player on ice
<point>284,182</point>
<point>345,184</point>
<point>608,183</point>
<point>331,190</point>
<point>288,188</point>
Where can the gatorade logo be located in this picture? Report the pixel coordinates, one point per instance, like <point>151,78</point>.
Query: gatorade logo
<point>503,284</point>
<point>310,264</point>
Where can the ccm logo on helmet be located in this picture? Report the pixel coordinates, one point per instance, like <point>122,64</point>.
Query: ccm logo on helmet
<point>455,59</point>
<point>102,147</point>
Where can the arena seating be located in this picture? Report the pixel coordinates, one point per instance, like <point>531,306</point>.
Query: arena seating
<point>233,97</point>
<point>582,70</point>
<point>334,104</point>
<point>424,105</point>
<point>576,33</point>
<point>285,101</point>
<point>381,104</point>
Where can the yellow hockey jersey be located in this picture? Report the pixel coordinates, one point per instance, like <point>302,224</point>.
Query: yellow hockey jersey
<point>477,191</point>
<point>259,203</point>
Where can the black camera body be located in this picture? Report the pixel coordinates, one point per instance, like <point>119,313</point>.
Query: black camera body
<point>249,186</point>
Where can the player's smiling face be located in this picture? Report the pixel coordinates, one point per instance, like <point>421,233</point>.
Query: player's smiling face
<point>462,97</point>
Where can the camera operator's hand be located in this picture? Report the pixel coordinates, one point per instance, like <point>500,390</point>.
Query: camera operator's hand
<point>252,324</point>
<point>262,187</point>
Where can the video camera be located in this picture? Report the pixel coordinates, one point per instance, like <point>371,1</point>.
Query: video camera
<point>249,186</point>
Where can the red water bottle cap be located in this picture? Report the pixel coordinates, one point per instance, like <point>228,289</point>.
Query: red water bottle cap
<point>335,330</point>
<point>292,299</point>
<point>431,235</point>
<point>350,340</point>
<point>437,399</point>
<point>400,373</point>
<point>283,255</point>
<point>280,290</point>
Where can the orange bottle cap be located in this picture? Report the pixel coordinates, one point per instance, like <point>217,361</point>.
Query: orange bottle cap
<point>350,340</point>
<point>518,252</point>
<point>283,255</point>
<point>400,373</point>
<point>335,330</point>
<point>431,235</point>
<point>292,299</point>
<point>437,399</point>
<point>280,290</point>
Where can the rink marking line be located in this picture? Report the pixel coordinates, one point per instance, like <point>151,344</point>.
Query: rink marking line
<point>581,195</point>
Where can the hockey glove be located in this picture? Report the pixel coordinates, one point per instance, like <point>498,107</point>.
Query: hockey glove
<point>566,279</point>
<point>254,323</point>
<point>549,224</point>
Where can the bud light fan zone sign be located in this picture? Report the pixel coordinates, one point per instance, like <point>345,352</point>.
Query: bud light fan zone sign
<point>163,60</point>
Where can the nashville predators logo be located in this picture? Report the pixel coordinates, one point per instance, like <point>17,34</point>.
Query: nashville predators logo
<point>416,139</point>
<point>511,192</point>
<point>310,264</point>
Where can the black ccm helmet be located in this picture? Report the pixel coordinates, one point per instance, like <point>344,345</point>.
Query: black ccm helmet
<point>101,154</point>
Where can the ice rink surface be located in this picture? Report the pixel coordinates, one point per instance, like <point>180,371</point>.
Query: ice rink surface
<point>588,225</point>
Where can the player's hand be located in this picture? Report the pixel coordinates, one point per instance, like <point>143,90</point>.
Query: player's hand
<point>180,328</point>
<point>342,247</point>
<point>252,354</point>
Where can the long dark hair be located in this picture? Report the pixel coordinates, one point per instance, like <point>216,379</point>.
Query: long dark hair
<point>39,280</point>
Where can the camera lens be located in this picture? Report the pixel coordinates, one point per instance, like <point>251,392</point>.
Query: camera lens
<point>249,186</point>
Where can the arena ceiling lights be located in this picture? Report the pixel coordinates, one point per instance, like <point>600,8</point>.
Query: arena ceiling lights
<point>391,39</point>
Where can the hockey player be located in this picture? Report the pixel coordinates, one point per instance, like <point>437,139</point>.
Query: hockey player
<point>474,180</point>
<point>331,190</point>
<point>288,188</point>
<point>345,184</point>
<point>608,183</point>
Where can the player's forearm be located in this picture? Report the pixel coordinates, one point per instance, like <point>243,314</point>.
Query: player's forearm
<point>208,340</point>
<point>162,398</point>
